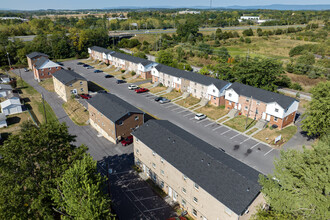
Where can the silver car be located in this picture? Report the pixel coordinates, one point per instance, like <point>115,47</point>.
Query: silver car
<point>200,116</point>
<point>163,100</point>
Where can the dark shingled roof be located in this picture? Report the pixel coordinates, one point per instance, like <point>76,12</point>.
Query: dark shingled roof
<point>40,62</point>
<point>228,180</point>
<point>34,54</point>
<point>192,76</point>
<point>100,49</point>
<point>67,76</point>
<point>132,59</point>
<point>262,95</point>
<point>111,106</point>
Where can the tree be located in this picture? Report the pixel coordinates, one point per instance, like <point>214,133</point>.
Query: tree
<point>184,30</point>
<point>317,116</point>
<point>78,193</point>
<point>248,32</point>
<point>300,184</point>
<point>140,54</point>
<point>204,71</point>
<point>222,53</point>
<point>165,57</point>
<point>32,161</point>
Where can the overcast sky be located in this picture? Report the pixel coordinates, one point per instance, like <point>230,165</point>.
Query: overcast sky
<point>99,4</point>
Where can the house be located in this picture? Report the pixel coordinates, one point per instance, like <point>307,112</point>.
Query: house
<point>197,85</point>
<point>3,122</point>
<point>113,117</point>
<point>5,79</point>
<point>11,106</point>
<point>204,181</point>
<point>5,90</point>
<point>249,18</point>
<point>44,68</point>
<point>257,103</point>
<point>99,53</point>
<point>67,82</point>
<point>33,57</point>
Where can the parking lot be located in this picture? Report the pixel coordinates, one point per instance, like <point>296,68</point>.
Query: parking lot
<point>246,149</point>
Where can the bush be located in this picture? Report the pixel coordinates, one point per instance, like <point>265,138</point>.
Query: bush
<point>133,73</point>
<point>122,71</point>
<point>248,40</point>
<point>123,77</point>
<point>296,86</point>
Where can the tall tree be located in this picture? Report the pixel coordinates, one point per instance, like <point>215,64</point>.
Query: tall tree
<point>79,193</point>
<point>165,57</point>
<point>300,186</point>
<point>32,161</point>
<point>317,120</point>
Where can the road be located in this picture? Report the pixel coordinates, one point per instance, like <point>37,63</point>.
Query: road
<point>131,196</point>
<point>173,30</point>
<point>248,150</point>
<point>303,95</point>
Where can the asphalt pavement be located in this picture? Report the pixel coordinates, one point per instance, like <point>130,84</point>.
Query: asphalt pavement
<point>250,151</point>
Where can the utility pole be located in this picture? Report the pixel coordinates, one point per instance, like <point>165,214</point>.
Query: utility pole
<point>20,76</point>
<point>43,104</point>
<point>247,115</point>
<point>8,58</point>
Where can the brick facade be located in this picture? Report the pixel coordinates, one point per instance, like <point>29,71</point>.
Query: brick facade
<point>256,107</point>
<point>40,74</point>
<point>217,101</point>
<point>32,61</point>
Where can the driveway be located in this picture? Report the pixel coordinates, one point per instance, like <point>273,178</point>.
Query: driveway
<point>250,151</point>
<point>119,159</point>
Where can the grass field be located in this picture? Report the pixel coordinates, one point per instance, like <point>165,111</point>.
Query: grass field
<point>158,89</point>
<point>172,95</point>
<point>15,121</point>
<point>188,102</point>
<point>238,123</point>
<point>268,135</point>
<point>76,111</point>
<point>306,83</point>
<point>213,112</point>
<point>251,131</point>
<point>48,84</point>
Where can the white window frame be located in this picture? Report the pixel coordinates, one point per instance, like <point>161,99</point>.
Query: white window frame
<point>276,109</point>
<point>195,200</point>
<point>184,191</point>
<point>196,186</point>
<point>193,212</point>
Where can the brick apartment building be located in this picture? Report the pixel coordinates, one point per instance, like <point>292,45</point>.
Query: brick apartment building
<point>44,69</point>
<point>33,57</point>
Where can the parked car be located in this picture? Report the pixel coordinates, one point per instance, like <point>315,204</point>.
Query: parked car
<point>59,63</point>
<point>200,116</point>
<point>85,96</point>
<point>132,87</point>
<point>90,67</point>
<point>119,81</point>
<point>80,63</point>
<point>26,70</point>
<point>108,76</point>
<point>102,91</point>
<point>127,141</point>
<point>164,100</point>
<point>141,90</point>
<point>158,98</point>
<point>85,65</point>
<point>98,71</point>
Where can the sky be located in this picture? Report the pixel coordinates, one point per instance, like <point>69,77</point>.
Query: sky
<point>100,4</point>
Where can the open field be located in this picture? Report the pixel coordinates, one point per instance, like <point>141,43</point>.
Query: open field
<point>15,121</point>
<point>268,135</point>
<point>48,84</point>
<point>76,111</point>
<point>306,83</point>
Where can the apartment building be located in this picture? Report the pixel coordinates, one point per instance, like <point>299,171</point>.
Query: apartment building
<point>67,82</point>
<point>33,57</point>
<point>44,69</point>
<point>99,53</point>
<point>204,181</point>
<point>196,84</point>
<point>257,103</point>
<point>113,117</point>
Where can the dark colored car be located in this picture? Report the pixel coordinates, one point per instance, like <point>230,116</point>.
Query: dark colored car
<point>98,71</point>
<point>108,76</point>
<point>158,98</point>
<point>80,63</point>
<point>127,141</point>
<point>119,81</point>
<point>59,63</point>
<point>26,70</point>
<point>85,96</point>
<point>141,90</point>
<point>85,65</point>
<point>102,91</point>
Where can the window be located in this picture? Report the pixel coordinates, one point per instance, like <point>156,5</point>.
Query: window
<point>153,153</point>
<point>137,150</point>
<point>257,112</point>
<point>228,211</point>
<point>196,186</point>
<point>184,177</point>
<point>57,67</point>
<point>184,190</point>
<point>275,118</point>
<point>81,83</point>
<point>120,122</point>
<point>246,108</point>
<point>70,85</point>
<point>194,90</point>
<point>153,165</point>
<point>247,99</point>
<point>213,90</point>
<point>136,118</point>
<point>229,94</point>
<point>50,68</point>
<point>195,200</point>
<point>195,84</point>
<point>49,73</point>
<point>229,102</point>
<point>214,98</point>
<point>162,160</point>
<point>276,109</point>
<point>162,184</point>
<point>258,103</point>
<point>82,89</point>
<point>162,172</point>
<point>183,203</point>
<point>102,124</point>
<point>194,212</point>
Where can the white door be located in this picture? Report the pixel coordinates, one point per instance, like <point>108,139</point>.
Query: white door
<point>170,191</point>
<point>175,196</point>
<point>235,106</point>
<point>264,115</point>
<point>239,106</point>
<point>74,91</point>
<point>144,168</point>
<point>268,118</point>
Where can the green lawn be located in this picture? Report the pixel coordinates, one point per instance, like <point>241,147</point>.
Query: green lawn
<point>188,102</point>
<point>238,123</point>
<point>172,95</point>
<point>213,112</point>
<point>268,135</point>
<point>158,89</point>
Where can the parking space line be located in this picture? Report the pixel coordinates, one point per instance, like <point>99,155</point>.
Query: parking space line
<point>130,190</point>
<point>269,151</point>
<point>244,140</point>
<point>176,108</point>
<point>182,111</point>
<point>200,121</point>
<point>169,106</point>
<point>192,118</point>
<point>209,124</point>
<point>146,198</point>
<point>225,132</point>
<point>188,114</point>
<point>254,145</point>
<point>150,210</point>
<point>217,128</point>
<point>235,136</point>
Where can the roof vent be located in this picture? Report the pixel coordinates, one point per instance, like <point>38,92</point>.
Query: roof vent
<point>169,138</point>
<point>248,189</point>
<point>202,160</point>
<point>208,164</point>
<point>173,141</point>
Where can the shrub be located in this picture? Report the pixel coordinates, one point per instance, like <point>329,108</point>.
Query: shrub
<point>122,71</point>
<point>248,40</point>
<point>123,77</point>
<point>296,86</point>
<point>133,73</point>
